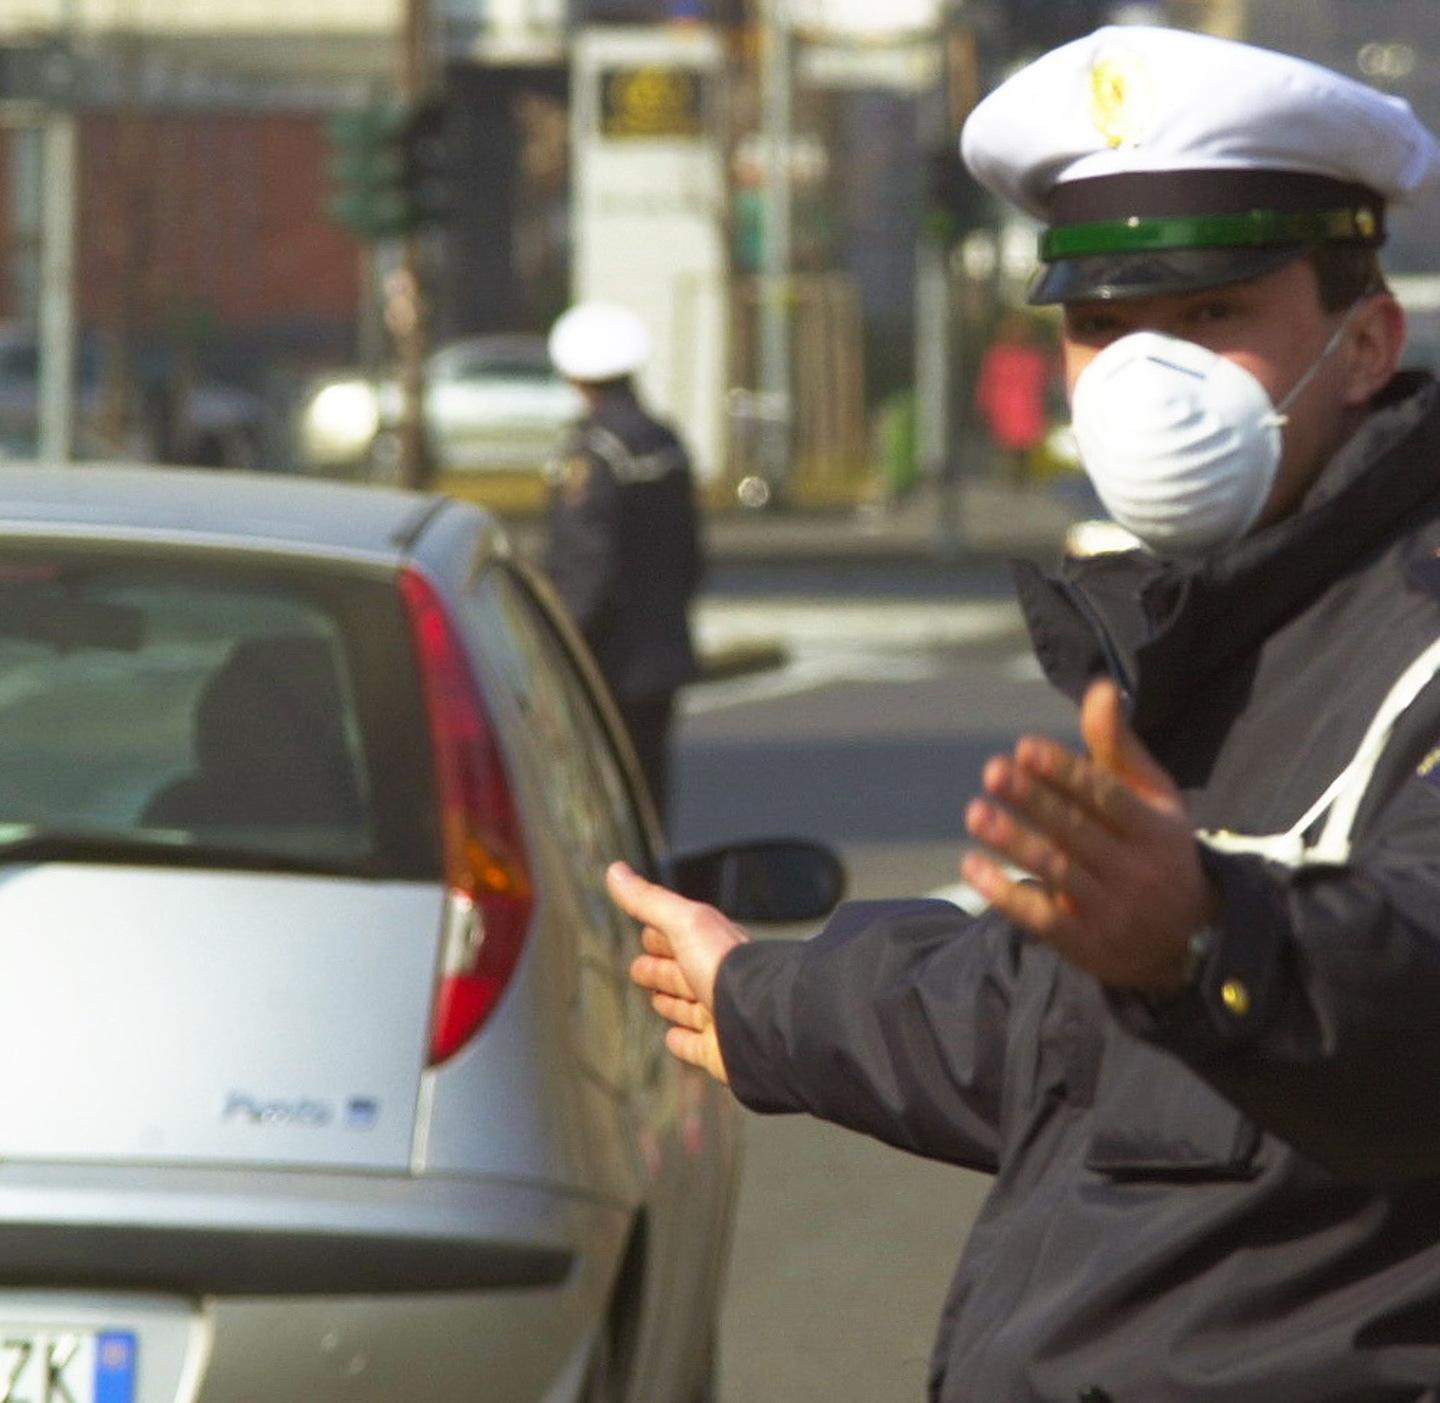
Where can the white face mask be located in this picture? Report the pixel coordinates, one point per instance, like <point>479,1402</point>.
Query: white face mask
<point>1181,443</point>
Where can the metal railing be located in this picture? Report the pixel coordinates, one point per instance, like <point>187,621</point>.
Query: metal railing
<point>826,405</point>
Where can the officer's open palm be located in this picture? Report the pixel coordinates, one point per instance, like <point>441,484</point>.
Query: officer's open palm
<point>1118,886</point>
<point>684,942</point>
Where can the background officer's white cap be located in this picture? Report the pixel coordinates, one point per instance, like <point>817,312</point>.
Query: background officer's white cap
<point>598,341</point>
<point>1164,160</point>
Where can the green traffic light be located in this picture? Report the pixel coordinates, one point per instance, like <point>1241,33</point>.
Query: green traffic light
<point>372,168</point>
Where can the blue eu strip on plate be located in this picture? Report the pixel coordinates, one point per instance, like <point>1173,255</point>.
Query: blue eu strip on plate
<point>115,1367</point>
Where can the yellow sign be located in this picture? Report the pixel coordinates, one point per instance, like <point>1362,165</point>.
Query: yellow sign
<point>652,102</point>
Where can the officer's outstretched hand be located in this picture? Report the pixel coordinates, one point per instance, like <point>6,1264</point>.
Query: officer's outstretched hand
<point>1119,888</point>
<point>684,942</point>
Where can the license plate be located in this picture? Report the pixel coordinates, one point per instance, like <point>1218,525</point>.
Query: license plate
<point>66,1366</point>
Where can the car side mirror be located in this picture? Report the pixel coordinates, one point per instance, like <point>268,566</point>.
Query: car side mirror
<point>778,879</point>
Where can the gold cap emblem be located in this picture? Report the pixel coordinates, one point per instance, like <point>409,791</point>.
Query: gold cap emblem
<point>1121,99</point>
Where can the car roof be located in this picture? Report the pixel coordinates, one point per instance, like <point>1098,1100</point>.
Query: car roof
<point>504,347</point>
<point>520,342</point>
<point>255,510</point>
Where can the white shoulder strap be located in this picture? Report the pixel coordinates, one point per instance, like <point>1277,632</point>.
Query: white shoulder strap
<point>627,465</point>
<point>1340,803</point>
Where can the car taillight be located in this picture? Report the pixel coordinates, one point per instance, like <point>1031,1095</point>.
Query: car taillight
<point>486,870</point>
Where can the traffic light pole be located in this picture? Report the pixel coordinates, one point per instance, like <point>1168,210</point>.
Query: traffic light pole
<point>934,332</point>
<point>56,312</point>
<point>942,114</point>
<point>407,312</point>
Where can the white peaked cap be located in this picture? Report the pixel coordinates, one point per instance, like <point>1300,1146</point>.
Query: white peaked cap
<point>598,341</point>
<point>1135,98</point>
<point>1166,161</point>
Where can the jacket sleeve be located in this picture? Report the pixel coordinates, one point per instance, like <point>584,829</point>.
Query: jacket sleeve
<point>582,554</point>
<point>892,1021</point>
<point>1317,1011</point>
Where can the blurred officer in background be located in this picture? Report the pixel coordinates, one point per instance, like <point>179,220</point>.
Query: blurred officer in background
<point>1194,1035</point>
<point>623,546</point>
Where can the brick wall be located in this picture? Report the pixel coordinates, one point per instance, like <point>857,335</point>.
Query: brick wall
<point>220,214</point>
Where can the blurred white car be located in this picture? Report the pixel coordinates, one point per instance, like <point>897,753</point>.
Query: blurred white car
<point>492,403</point>
<point>324,1079</point>
<point>1419,295</point>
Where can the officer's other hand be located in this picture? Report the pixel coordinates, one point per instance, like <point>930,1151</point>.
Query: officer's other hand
<point>684,942</point>
<point>1119,888</point>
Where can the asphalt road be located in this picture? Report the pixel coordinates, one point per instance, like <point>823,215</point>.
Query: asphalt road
<point>872,738</point>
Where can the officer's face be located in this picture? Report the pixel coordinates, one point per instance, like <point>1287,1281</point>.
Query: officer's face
<point>1276,328</point>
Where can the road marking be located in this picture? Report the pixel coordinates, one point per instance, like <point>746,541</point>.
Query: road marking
<point>826,641</point>
<point>1025,667</point>
<point>887,625</point>
<point>961,894</point>
<point>804,675</point>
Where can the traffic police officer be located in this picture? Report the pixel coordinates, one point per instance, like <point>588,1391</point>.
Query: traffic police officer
<point>623,544</point>
<point>1196,1044</point>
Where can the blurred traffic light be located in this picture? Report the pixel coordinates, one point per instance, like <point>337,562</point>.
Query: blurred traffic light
<point>366,166</point>
<point>955,202</point>
<point>428,171</point>
<point>390,168</point>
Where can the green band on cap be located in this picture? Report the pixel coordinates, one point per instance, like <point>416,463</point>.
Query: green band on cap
<point>1255,229</point>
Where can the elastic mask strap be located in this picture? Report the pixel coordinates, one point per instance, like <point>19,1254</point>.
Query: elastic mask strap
<point>1341,801</point>
<point>1279,416</point>
<point>1333,845</point>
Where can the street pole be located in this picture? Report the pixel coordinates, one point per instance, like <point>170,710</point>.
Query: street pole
<point>407,312</point>
<point>776,300</point>
<point>933,327</point>
<point>957,94</point>
<point>1227,18</point>
<point>126,243</point>
<point>59,186</point>
<point>56,312</point>
<point>933,387</point>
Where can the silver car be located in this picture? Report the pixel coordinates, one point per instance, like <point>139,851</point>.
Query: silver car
<point>324,1080</point>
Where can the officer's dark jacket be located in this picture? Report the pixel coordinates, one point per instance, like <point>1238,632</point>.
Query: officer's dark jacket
<point>623,548</point>
<point>1233,1195</point>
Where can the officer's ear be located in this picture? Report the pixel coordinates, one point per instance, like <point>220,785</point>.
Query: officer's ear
<point>1371,349</point>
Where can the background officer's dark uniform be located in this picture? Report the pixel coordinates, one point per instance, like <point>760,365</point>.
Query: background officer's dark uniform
<point>624,555</point>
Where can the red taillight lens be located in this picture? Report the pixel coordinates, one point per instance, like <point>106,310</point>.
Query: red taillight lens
<point>486,869</point>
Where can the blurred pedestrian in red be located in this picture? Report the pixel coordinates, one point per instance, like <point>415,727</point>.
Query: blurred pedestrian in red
<point>1016,373</point>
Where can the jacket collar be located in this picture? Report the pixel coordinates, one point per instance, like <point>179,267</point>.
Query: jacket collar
<point>1163,627</point>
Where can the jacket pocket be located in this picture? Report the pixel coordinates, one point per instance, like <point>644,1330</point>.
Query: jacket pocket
<point>1155,1119</point>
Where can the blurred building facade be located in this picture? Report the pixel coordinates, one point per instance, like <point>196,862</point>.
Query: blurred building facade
<point>1389,43</point>
<point>204,166</point>
<point>203,158</point>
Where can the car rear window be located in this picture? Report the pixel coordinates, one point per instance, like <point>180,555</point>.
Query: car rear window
<point>211,712</point>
